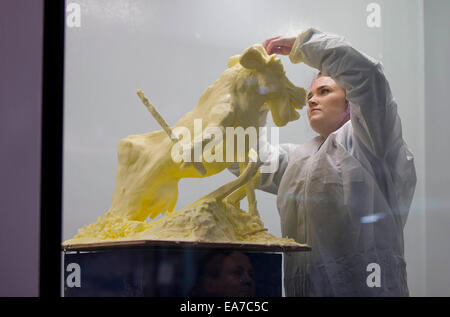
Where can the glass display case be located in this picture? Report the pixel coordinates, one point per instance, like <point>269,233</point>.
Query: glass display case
<point>173,51</point>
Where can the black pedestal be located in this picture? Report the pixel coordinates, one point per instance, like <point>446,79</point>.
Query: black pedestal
<point>172,269</point>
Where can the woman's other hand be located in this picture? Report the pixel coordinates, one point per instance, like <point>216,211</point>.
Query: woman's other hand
<point>279,44</point>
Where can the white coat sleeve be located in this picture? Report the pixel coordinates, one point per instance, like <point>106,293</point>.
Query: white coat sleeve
<point>373,111</point>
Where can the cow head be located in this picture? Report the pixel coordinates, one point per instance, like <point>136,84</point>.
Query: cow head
<point>280,95</point>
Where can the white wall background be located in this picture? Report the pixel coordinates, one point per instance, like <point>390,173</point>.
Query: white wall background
<point>437,132</point>
<point>174,49</point>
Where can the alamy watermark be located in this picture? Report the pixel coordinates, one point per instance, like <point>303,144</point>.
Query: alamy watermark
<point>73,15</point>
<point>374,17</point>
<point>73,279</point>
<point>208,145</point>
<point>374,278</point>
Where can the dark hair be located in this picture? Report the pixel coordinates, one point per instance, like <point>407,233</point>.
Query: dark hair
<point>319,74</point>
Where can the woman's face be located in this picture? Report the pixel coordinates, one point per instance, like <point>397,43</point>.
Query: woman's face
<point>326,106</point>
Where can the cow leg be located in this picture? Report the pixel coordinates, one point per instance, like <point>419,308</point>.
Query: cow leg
<point>250,192</point>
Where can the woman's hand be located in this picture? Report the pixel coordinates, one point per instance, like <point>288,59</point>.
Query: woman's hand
<point>279,44</point>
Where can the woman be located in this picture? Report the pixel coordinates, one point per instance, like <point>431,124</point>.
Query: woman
<point>346,192</point>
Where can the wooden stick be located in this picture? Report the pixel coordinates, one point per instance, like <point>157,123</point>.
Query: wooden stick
<point>157,116</point>
<point>197,165</point>
<point>253,232</point>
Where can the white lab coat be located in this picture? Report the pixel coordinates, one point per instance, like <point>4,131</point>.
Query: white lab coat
<point>348,196</point>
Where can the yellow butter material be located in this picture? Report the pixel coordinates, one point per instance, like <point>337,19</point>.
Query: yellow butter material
<point>147,176</point>
<point>207,221</point>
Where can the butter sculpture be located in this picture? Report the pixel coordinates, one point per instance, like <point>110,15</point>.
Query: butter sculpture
<point>147,176</point>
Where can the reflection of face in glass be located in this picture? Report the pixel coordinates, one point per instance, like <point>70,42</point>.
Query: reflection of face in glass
<point>226,274</point>
<point>235,277</point>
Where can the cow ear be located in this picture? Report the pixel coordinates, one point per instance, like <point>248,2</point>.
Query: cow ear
<point>282,111</point>
<point>297,96</point>
<point>253,58</point>
<point>233,60</point>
